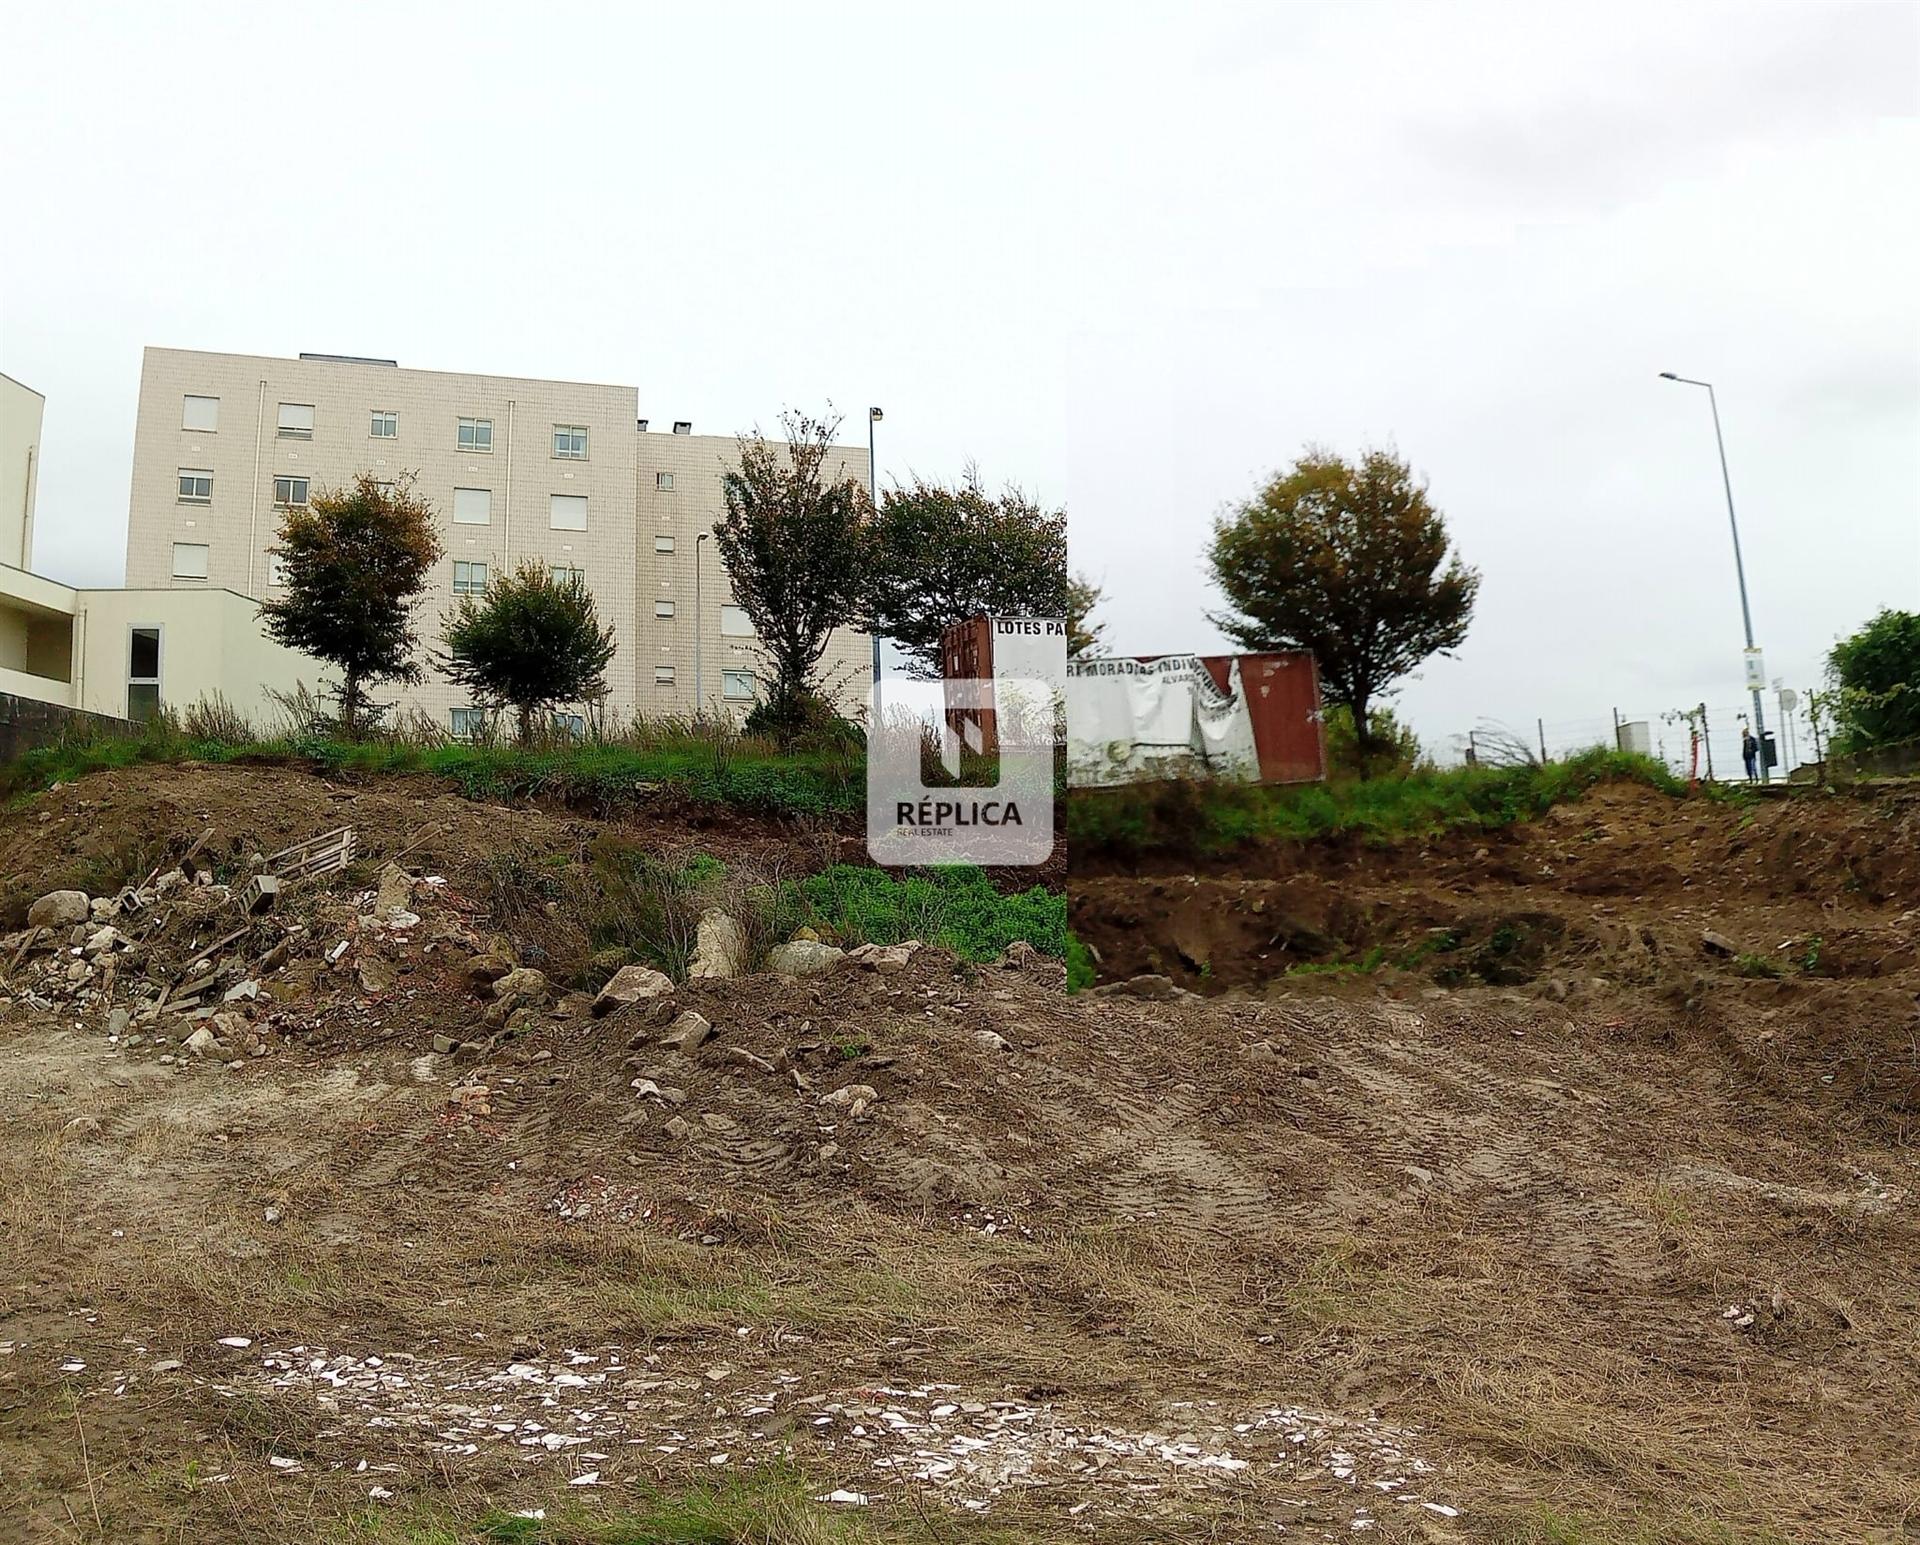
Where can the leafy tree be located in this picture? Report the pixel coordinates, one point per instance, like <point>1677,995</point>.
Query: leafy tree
<point>351,563</point>
<point>1875,675</point>
<point>1349,561</point>
<point>533,642</point>
<point>1083,633</point>
<point>796,540</point>
<point>942,555</point>
<point>1398,747</point>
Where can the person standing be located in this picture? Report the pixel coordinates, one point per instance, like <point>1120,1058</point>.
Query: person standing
<point>1750,752</point>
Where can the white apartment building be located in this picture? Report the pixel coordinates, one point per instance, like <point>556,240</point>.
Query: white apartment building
<point>560,473</point>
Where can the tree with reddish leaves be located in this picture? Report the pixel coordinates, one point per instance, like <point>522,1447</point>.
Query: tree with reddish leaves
<point>351,563</point>
<point>1350,561</point>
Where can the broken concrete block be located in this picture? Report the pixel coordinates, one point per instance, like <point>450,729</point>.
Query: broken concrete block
<point>261,894</point>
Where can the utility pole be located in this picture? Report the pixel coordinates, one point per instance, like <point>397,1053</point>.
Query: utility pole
<point>874,415</point>
<point>699,676</point>
<point>1739,566</point>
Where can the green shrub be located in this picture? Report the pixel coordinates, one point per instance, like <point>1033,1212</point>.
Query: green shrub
<point>956,907</point>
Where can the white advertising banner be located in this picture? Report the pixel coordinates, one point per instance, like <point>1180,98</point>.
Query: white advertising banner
<point>1139,719</point>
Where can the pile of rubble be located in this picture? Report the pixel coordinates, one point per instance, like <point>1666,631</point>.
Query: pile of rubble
<point>202,972</point>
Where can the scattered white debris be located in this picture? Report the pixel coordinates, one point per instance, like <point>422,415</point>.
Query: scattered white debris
<point>241,1342</point>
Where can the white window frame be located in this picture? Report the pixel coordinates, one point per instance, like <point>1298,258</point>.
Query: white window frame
<point>730,676</point>
<point>663,609</point>
<point>663,482</point>
<point>663,676</point>
<point>186,412</point>
<point>663,544</point>
<point>574,433</point>
<point>735,623</point>
<point>467,436</point>
<point>465,586</point>
<point>291,478</point>
<point>575,724</point>
<point>568,502</point>
<point>383,424</point>
<point>276,571</point>
<point>196,476</point>
<point>468,520</point>
<point>562,572</point>
<point>206,564</point>
<point>296,430</point>
<point>476,720</point>
<point>159,633</point>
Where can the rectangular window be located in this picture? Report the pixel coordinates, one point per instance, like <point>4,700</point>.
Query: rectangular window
<point>476,434</point>
<point>737,684</point>
<point>469,578</point>
<point>570,442</point>
<point>386,426</point>
<point>663,544</point>
<point>143,673</point>
<point>276,571</point>
<point>663,675</point>
<point>200,413</point>
<point>567,512</point>
<point>663,608</point>
<point>663,481</point>
<point>190,560</point>
<point>469,722</point>
<point>572,724</point>
<point>563,575</point>
<point>296,421</point>
<point>735,623</point>
<point>289,491</point>
<point>472,506</point>
<point>196,485</point>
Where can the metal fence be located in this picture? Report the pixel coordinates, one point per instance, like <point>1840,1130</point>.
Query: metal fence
<point>1669,732</point>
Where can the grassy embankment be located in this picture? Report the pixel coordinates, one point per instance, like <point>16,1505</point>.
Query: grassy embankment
<point>1210,819</point>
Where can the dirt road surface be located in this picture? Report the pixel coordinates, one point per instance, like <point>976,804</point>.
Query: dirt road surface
<point>1617,1247</point>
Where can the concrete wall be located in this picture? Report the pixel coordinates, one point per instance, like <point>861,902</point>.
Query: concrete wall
<point>20,413</point>
<point>26,722</point>
<point>628,510</point>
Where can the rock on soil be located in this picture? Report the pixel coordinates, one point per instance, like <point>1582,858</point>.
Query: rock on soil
<point>630,985</point>
<point>58,909</point>
<point>720,947</point>
<point>803,957</point>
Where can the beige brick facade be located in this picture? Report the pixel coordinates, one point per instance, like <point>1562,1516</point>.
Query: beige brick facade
<point>632,515</point>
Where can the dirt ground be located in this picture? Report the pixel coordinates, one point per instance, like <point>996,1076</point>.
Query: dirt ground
<point>1573,1232</point>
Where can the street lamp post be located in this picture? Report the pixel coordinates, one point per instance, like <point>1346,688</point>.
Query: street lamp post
<point>1739,566</point>
<point>874,415</point>
<point>699,677</point>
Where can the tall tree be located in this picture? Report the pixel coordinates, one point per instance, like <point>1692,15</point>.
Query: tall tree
<point>1876,682</point>
<point>796,540</point>
<point>942,555</point>
<point>1350,561</point>
<point>351,563</point>
<point>533,642</point>
<point>1083,598</point>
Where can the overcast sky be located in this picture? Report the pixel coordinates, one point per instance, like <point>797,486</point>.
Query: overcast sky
<point>1130,257</point>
